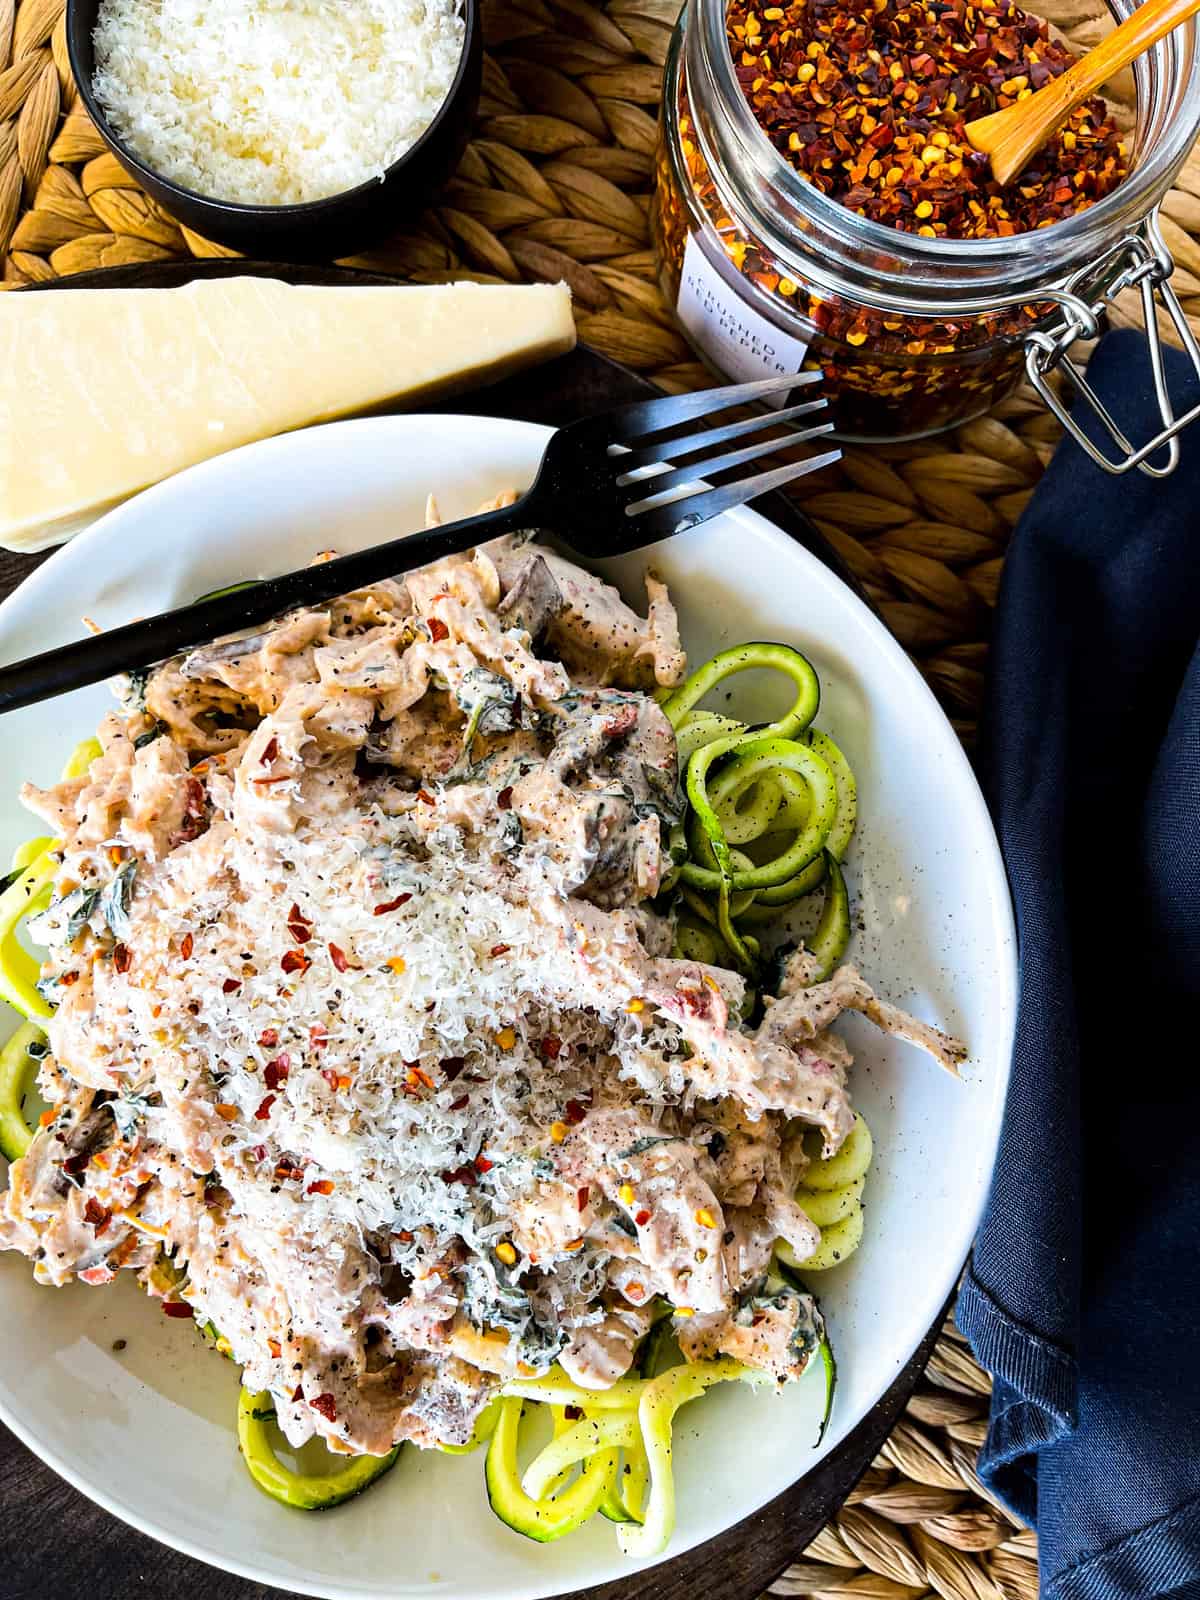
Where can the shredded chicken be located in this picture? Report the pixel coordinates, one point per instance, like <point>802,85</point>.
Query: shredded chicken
<point>368,1044</point>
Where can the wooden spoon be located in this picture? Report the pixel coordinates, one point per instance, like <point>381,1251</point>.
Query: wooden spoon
<point>1013,136</point>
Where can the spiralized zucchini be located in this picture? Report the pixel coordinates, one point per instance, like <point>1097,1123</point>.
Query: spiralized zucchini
<point>770,814</point>
<point>831,1196</point>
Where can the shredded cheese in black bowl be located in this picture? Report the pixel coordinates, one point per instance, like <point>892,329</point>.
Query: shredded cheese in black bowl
<point>301,131</point>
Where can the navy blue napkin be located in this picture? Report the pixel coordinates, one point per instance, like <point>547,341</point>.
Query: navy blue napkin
<point>1083,1299</point>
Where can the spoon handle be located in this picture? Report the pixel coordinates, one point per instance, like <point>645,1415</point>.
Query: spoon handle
<point>1152,21</point>
<point>1012,136</point>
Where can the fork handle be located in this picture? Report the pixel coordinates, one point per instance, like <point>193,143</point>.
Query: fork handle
<point>153,639</point>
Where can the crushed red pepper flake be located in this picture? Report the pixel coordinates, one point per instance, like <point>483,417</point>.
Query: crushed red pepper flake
<point>438,630</point>
<point>504,800</point>
<point>186,946</point>
<point>264,1108</point>
<point>338,957</point>
<point>230,986</point>
<point>869,102</point>
<point>295,961</point>
<point>97,1215</point>
<point>176,1308</point>
<point>391,905</point>
<point>276,1072</point>
<point>122,959</point>
<point>326,1405</point>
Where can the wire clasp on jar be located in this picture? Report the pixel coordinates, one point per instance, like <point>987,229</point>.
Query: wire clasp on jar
<point>1140,260</point>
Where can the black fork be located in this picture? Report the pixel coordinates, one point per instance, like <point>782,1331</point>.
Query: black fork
<point>596,490</point>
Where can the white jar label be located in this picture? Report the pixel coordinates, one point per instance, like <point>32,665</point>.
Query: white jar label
<point>731,334</point>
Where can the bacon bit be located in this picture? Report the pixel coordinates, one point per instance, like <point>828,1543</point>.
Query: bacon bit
<point>572,1413</point>
<point>582,1196</point>
<point>276,1349</point>
<point>460,1175</point>
<point>625,1194</point>
<point>642,1218</point>
<point>397,964</point>
<point>264,1109</point>
<point>482,1164</point>
<point>326,1405</point>
<point>437,630</point>
<point>338,957</point>
<point>295,961</point>
<point>635,1291</point>
<point>194,798</point>
<point>231,986</point>
<point>426,799</point>
<point>684,1311</point>
<point>270,751</point>
<point>97,1275</point>
<point>276,1071</point>
<point>452,1066</point>
<point>705,1218</point>
<point>551,1047</point>
<point>635,1006</point>
<point>99,1216</point>
<point>558,1131</point>
<point>572,1245</point>
<point>504,800</point>
<point>75,1164</point>
<point>226,1111</point>
<point>506,1038</point>
<point>176,1308</point>
<point>297,1394</point>
<point>506,1253</point>
<point>460,1103</point>
<point>318,1036</point>
<point>500,949</point>
<point>322,1186</point>
<point>46,1118</point>
<point>391,905</point>
<point>575,1112</point>
<point>186,947</point>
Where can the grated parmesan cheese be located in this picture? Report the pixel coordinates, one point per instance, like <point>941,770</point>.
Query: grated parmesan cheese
<point>271,102</point>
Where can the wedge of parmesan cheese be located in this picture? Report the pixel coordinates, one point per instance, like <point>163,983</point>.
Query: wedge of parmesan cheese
<point>109,390</point>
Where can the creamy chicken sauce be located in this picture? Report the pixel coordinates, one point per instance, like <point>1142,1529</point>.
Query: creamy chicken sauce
<point>364,1014</point>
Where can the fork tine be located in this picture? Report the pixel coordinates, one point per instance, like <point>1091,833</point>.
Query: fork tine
<point>662,481</point>
<point>690,510</point>
<point>631,459</point>
<point>644,416</point>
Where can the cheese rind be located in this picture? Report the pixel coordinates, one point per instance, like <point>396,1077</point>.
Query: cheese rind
<point>107,391</point>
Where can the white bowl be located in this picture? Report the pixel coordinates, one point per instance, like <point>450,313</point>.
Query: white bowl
<point>149,1432</point>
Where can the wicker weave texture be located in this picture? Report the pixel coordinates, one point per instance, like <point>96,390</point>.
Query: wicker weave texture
<point>556,184</point>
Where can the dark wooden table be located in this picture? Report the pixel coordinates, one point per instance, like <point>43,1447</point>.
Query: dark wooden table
<point>56,1545</point>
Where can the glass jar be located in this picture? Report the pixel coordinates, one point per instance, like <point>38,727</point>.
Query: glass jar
<point>915,335</point>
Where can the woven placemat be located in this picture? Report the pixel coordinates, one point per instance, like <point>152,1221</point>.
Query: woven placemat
<point>556,184</point>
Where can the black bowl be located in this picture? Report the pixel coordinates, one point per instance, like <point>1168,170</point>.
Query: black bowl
<point>318,230</point>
